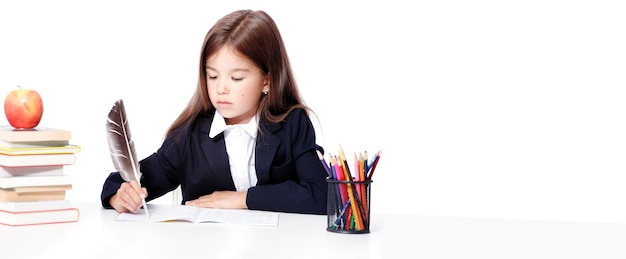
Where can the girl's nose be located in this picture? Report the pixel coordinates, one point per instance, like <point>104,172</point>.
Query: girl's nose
<point>222,87</point>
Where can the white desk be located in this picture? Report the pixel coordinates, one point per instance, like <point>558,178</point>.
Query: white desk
<point>97,235</point>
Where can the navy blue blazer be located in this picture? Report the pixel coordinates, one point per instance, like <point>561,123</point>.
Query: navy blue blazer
<point>291,177</point>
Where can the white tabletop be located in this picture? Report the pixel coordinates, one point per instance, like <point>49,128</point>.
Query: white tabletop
<point>98,235</point>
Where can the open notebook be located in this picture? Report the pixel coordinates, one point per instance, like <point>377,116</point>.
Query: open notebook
<point>168,213</point>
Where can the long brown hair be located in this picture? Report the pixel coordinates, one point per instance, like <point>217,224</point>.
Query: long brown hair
<point>255,35</point>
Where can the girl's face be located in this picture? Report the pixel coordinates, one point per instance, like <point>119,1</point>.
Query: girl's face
<point>235,85</point>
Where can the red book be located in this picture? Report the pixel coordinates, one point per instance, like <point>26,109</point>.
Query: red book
<point>27,218</point>
<point>37,213</point>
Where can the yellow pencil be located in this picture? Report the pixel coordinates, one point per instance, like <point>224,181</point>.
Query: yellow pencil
<point>351,192</point>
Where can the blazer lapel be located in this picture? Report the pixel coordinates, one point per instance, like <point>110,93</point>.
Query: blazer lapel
<point>266,145</point>
<point>216,156</point>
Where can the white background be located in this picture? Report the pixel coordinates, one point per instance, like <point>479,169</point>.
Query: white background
<point>497,109</point>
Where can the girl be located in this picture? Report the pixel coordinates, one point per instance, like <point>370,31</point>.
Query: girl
<point>244,140</point>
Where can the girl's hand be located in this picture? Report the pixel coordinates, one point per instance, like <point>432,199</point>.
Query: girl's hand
<point>129,197</point>
<point>221,200</point>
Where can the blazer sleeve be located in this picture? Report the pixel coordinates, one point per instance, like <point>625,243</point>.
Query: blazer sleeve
<point>110,187</point>
<point>158,171</point>
<point>297,178</point>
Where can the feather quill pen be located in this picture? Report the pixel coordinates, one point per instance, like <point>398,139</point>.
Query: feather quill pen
<point>121,145</point>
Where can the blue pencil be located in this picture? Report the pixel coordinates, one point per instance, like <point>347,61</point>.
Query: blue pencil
<point>340,217</point>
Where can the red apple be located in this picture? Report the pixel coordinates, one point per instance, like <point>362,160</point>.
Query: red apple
<point>23,108</point>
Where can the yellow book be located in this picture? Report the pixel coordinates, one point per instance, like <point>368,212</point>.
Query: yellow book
<point>67,149</point>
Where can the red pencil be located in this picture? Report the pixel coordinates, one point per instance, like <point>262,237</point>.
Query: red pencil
<point>374,163</point>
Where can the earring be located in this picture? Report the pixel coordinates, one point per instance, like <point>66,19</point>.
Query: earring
<point>265,92</point>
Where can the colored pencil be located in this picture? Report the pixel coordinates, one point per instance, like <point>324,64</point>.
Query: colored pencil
<point>374,162</point>
<point>321,157</point>
<point>357,207</point>
<point>362,168</point>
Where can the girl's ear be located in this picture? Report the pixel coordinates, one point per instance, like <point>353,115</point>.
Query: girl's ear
<point>266,83</point>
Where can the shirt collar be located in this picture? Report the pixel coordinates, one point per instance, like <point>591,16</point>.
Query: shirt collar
<point>219,125</point>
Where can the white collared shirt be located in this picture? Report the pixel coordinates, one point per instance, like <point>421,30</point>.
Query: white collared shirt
<point>240,143</point>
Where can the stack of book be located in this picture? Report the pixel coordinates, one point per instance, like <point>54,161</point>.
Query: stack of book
<point>33,182</point>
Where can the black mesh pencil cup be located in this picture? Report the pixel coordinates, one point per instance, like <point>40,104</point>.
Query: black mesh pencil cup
<point>348,206</point>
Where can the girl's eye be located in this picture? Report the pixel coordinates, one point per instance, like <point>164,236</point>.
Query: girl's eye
<point>237,78</point>
<point>212,77</point>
